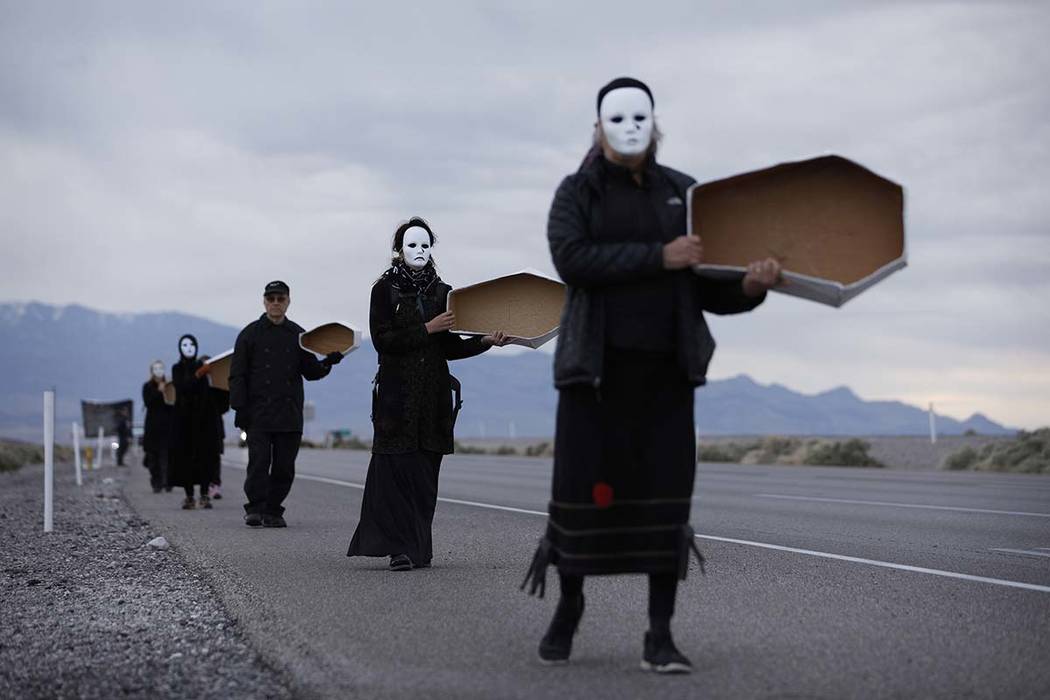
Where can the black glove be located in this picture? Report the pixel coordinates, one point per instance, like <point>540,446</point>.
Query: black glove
<point>332,358</point>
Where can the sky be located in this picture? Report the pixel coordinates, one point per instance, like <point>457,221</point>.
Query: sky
<point>177,156</point>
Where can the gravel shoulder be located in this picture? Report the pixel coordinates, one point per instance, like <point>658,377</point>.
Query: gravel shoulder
<point>90,611</point>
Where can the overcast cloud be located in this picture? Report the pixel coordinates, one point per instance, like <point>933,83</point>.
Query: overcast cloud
<point>177,156</point>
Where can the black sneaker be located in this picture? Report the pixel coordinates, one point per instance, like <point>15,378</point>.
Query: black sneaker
<point>205,502</point>
<point>400,562</point>
<point>556,645</point>
<point>188,503</point>
<point>661,655</point>
<point>273,521</point>
<point>253,519</point>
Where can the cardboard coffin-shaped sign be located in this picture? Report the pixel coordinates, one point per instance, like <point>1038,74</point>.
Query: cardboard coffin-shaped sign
<point>218,368</point>
<point>525,305</point>
<point>331,337</point>
<point>836,227</point>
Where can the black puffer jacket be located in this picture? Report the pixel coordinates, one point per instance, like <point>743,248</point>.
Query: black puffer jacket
<point>587,264</point>
<point>412,408</point>
<point>266,376</point>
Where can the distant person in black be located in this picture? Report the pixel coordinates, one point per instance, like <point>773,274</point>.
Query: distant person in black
<point>632,346</point>
<point>123,435</point>
<point>266,391</point>
<point>218,403</point>
<point>157,429</point>
<point>193,438</point>
<point>412,404</point>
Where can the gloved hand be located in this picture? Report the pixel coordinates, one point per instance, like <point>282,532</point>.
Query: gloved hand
<point>332,358</point>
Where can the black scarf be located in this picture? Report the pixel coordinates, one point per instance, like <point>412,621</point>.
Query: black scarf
<point>408,281</point>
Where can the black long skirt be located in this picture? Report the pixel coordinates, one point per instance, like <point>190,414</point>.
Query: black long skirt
<point>397,510</point>
<point>624,466</point>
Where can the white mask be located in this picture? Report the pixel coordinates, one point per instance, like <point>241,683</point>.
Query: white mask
<point>415,248</point>
<point>157,370</point>
<point>188,348</point>
<point>626,116</point>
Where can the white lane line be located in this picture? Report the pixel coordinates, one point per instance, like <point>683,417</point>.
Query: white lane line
<point>884,564</point>
<point>763,545</point>
<point>353,485</point>
<point>1029,552</point>
<point>901,505</point>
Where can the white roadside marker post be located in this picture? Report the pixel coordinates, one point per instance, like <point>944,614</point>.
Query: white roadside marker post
<point>76,452</point>
<point>98,451</point>
<point>933,426</point>
<point>49,460</point>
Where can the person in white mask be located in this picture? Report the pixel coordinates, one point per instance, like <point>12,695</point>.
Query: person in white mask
<point>632,346</point>
<point>413,410</point>
<point>157,428</point>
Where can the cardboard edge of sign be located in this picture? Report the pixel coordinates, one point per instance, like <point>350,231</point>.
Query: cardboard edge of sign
<point>528,342</point>
<point>816,289</point>
<point>214,360</point>
<point>353,329</point>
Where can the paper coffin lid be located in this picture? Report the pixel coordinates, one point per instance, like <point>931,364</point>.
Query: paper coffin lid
<point>331,337</point>
<point>525,305</point>
<point>169,393</point>
<point>219,370</point>
<point>836,227</point>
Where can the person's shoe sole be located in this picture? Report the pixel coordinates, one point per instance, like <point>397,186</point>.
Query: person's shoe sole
<point>270,523</point>
<point>671,668</point>
<point>553,662</point>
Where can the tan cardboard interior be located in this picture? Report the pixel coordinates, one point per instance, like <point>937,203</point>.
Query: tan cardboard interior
<point>522,305</point>
<point>219,371</point>
<point>330,337</point>
<point>827,218</point>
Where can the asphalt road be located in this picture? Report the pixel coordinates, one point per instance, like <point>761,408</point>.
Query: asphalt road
<point>822,582</point>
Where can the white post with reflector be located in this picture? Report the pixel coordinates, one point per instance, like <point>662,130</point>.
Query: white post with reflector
<point>76,453</point>
<point>49,460</point>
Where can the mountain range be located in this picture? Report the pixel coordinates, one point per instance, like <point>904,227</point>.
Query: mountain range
<point>88,354</point>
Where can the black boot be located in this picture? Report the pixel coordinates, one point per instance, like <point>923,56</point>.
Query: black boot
<point>556,645</point>
<point>661,656</point>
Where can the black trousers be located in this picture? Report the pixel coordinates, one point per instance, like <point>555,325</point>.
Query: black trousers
<point>271,469</point>
<point>157,462</point>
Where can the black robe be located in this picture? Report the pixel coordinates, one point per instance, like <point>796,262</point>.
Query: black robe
<point>413,416</point>
<point>157,427</point>
<point>195,441</point>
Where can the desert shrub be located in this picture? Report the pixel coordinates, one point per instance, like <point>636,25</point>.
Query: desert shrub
<point>963,459</point>
<point>15,454</point>
<point>505,450</point>
<point>1027,453</point>
<point>773,450</point>
<point>724,452</point>
<point>469,449</point>
<point>539,450</point>
<point>851,453</point>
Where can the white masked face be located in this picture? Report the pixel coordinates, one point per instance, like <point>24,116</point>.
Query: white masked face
<point>626,117</point>
<point>416,248</point>
<point>157,370</point>
<point>188,348</point>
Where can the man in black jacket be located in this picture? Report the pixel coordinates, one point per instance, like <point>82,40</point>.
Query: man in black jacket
<point>266,391</point>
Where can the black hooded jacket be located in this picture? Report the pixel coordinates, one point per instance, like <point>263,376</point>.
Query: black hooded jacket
<point>590,265</point>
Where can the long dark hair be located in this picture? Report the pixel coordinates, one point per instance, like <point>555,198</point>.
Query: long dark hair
<point>415,222</point>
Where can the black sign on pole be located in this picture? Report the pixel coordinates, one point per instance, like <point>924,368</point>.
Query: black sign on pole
<point>107,414</point>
